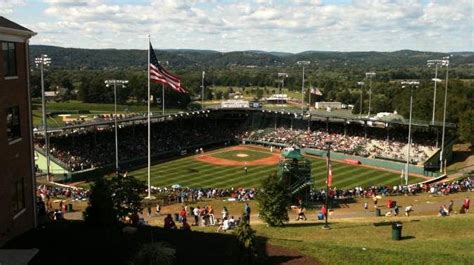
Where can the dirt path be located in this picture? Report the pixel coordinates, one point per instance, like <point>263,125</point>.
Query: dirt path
<point>283,256</point>
<point>208,158</point>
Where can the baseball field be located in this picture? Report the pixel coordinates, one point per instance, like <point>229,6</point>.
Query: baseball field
<point>225,168</point>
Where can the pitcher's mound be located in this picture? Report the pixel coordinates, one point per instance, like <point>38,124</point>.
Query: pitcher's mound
<point>242,155</point>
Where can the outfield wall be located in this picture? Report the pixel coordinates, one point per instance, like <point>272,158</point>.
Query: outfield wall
<point>391,165</point>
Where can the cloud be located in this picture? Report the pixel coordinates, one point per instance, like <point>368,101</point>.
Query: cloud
<point>8,6</point>
<point>294,25</point>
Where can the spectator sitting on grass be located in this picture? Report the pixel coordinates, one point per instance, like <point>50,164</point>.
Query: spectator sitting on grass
<point>231,222</point>
<point>186,226</point>
<point>169,223</point>
<point>408,210</point>
<point>443,210</point>
<point>224,226</point>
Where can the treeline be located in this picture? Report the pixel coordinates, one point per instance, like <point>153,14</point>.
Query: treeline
<point>80,74</point>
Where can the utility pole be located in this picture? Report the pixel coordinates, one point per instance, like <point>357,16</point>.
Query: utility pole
<point>302,63</point>
<point>114,83</point>
<point>40,62</point>
<point>441,157</point>
<point>328,171</point>
<point>370,75</point>
<point>411,84</point>
<point>361,84</point>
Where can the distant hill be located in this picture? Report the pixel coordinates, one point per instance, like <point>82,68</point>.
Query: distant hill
<point>74,58</point>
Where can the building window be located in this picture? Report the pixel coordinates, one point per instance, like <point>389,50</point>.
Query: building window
<point>9,58</point>
<point>18,196</point>
<point>13,123</point>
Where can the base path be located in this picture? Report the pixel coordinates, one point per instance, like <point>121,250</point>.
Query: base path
<point>268,161</point>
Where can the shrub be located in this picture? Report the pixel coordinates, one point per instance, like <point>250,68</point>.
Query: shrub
<point>155,253</point>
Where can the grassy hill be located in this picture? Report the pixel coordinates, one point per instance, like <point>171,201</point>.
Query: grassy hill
<point>74,58</point>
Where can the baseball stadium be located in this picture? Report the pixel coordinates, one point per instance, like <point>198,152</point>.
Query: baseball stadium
<point>231,148</point>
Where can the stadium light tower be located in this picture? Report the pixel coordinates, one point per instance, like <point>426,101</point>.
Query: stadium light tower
<point>361,84</point>
<point>441,156</point>
<point>41,62</point>
<point>302,63</point>
<point>411,84</point>
<point>202,89</point>
<point>115,83</point>
<point>436,63</point>
<point>370,75</point>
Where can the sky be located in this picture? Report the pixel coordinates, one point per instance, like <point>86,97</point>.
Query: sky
<point>229,25</point>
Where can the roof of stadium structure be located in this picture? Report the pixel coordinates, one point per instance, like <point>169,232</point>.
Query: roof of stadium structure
<point>318,116</point>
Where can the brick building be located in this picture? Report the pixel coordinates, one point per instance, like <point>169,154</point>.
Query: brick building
<point>17,183</point>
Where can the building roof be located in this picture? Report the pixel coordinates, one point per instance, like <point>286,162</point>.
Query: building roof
<point>5,23</point>
<point>12,28</point>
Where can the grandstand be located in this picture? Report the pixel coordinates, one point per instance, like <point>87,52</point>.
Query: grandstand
<point>83,149</point>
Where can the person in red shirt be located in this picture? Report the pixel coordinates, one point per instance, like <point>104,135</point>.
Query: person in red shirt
<point>182,214</point>
<point>324,211</point>
<point>466,204</point>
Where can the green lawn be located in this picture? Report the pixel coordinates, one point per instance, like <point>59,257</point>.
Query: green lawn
<point>427,241</point>
<point>233,155</point>
<point>192,173</point>
<point>93,108</point>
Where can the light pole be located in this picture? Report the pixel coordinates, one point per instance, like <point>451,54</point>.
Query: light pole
<point>441,156</point>
<point>302,63</point>
<point>41,62</point>
<point>115,83</point>
<point>202,89</point>
<point>370,75</point>
<point>411,84</point>
<point>361,84</point>
<point>328,171</point>
<point>436,63</point>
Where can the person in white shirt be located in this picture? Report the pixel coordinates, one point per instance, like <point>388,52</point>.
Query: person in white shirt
<point>231,222</point>
<point>224,226</point>
<point>408,210</point>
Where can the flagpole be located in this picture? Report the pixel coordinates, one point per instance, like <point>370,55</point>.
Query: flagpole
<point>149,145</point>
<point>163,98</point>
<point>309,98</point>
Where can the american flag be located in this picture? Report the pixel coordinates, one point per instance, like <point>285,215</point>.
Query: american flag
<point>329,180</point>
<point>160,75</point>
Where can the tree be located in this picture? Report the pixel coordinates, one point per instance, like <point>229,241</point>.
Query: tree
<point>101,207</point>
<point>259,93</point>
<point>247,241</point>
<point>273,201</point>
<point>128,193</point>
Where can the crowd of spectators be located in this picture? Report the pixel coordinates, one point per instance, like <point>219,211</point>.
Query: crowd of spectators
<point>101,118</point>
<point>92,149</point>
<point>185,195</point>
<point>375,145</point>
<point>47,192</point>
<point>439,188</point>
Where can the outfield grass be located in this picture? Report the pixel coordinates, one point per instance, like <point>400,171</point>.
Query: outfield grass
<point>192,173</point>
<point>251,155</point>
